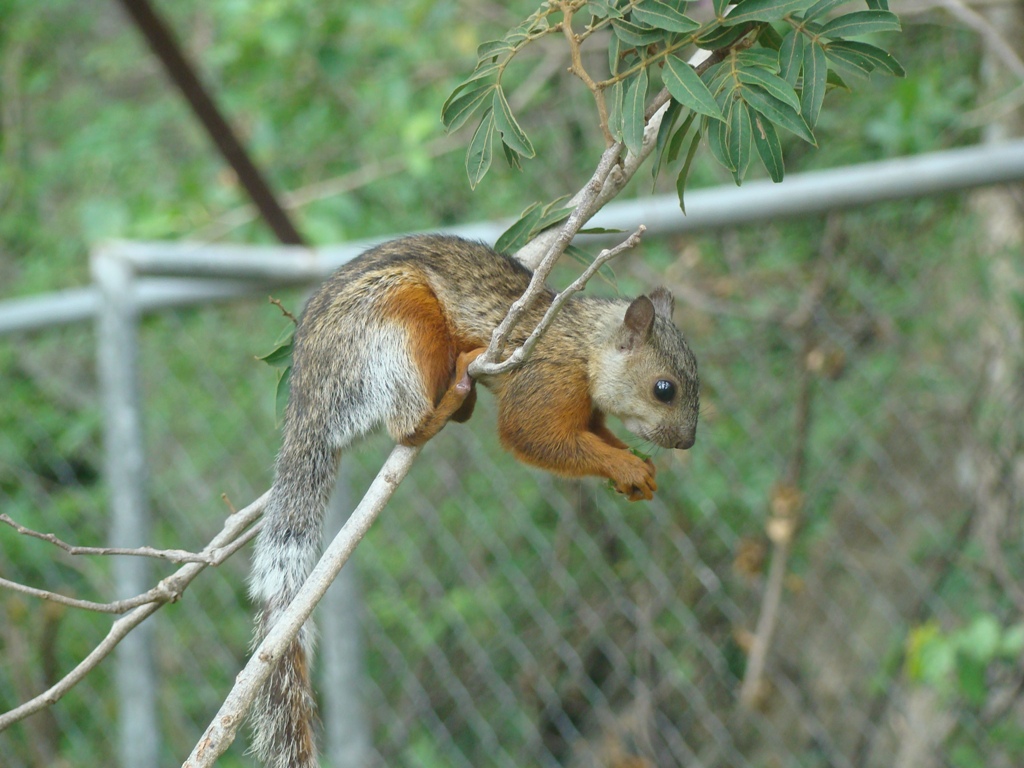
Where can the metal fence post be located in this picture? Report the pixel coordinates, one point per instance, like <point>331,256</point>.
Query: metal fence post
<point>125,474</point>
<point>347,731</point>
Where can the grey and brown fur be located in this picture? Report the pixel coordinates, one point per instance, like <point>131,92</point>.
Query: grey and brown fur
<point>385,342</point>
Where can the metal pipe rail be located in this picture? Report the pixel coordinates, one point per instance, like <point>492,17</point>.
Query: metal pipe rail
<point>184,273</point>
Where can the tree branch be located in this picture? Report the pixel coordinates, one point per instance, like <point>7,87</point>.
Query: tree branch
<point>580,71</point>
<point>225,543</point>
<point>222,729</point>
<point>523,352</point>
<point>787,497</point>
<point>158,593</point>
<point>172,555</point>
<point>540,254</point>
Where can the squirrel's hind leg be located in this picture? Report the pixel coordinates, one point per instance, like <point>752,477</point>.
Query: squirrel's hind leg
<point>456,403</point>
<point>438,388</point>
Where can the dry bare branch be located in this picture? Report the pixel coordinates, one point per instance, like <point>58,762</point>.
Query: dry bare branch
<point>520,354</point>
<point>787,498</point>
<point>222,729</point>
<point>172,555</point>
<point>223,545</point>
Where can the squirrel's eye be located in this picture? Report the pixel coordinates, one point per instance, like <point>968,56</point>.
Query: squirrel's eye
<point>664,390</point>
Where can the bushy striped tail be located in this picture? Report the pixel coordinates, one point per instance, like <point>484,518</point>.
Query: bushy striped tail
<point>284,714</point>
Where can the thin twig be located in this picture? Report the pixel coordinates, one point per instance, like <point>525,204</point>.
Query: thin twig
<point>995,41</point>
<point>117,607</point>
<point>580,71</point>
<point>787,498</point>
<point>225,543</point>
<point>575,221</point>
<point>526,349</point>
<point>158,594</point>
<point>609,178</point>
<point>222,729</point>
<point>277,303</point>
<point>172,555</point>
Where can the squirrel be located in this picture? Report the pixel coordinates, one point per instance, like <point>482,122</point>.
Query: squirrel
<point>386,341</point>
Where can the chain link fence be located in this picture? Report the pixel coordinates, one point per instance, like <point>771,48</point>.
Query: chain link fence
<point>850,516</point>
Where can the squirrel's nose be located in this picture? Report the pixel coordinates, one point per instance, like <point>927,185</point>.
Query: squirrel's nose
<point>687,440</point>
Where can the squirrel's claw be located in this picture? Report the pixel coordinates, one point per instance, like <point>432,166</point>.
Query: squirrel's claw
<point>637,482</point>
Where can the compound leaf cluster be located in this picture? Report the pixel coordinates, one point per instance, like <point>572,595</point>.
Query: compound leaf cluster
<point>770,65</point>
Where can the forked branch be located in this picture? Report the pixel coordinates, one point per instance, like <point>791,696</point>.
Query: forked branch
<point>234,533</point>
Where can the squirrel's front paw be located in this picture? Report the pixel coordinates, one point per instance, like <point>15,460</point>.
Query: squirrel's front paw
<point>635,479</point>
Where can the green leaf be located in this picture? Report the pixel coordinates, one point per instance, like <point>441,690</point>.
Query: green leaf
<point>720,6</point>
<point>773,84</point>
<point>485,69</point>
<point>578,255</point>
<point>456,112</point>
<point>980,638</point>
<point>584,259</point>
<point>518,235</point>
<point>491,49</point>
<point>849,60</point>
<point>551,217</point>
<point>762,10</point>
<point>284,381</point>
<point>833,80</point>
<point>518,33</point>
<point>614,54</point>
<point>739,138</point>
<point>688,89</point>
<point>770,38</point>
<point>685,171</point>
<point>761,58</point>
<point>813,94</point>
<point>929,656</point>
<point>879,5</point>
<point>635,34</point>
<point>633,113</point>
<point>668,122</point>
<point>861,23</point>
<point>511,158</point>
<point>511,133</point>
<point>822,7</point>
<point>971,678</point>
<point>282,356</point>
<point>718,35</point>
<point>677,140</point>
<point>604,10</point>
<point>615,98</point>
<point>873,55</point>
<point>778,112</point>
<point>600,231</point>
<point>791,56</point>
<point>479,153</point>
<point>716,76</point>
<point>664,14</point>
<point>768,146</point>
<point>1012,642</point>
<point>717,133</point>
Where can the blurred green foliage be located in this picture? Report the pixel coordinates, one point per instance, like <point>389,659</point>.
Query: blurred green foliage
<point>340,105</point>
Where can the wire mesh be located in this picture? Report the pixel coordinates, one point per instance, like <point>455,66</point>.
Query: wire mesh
<point>512,618</point>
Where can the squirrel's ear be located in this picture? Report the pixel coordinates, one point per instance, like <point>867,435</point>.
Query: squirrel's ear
<point>637,324</point>
<point>663,302</point>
